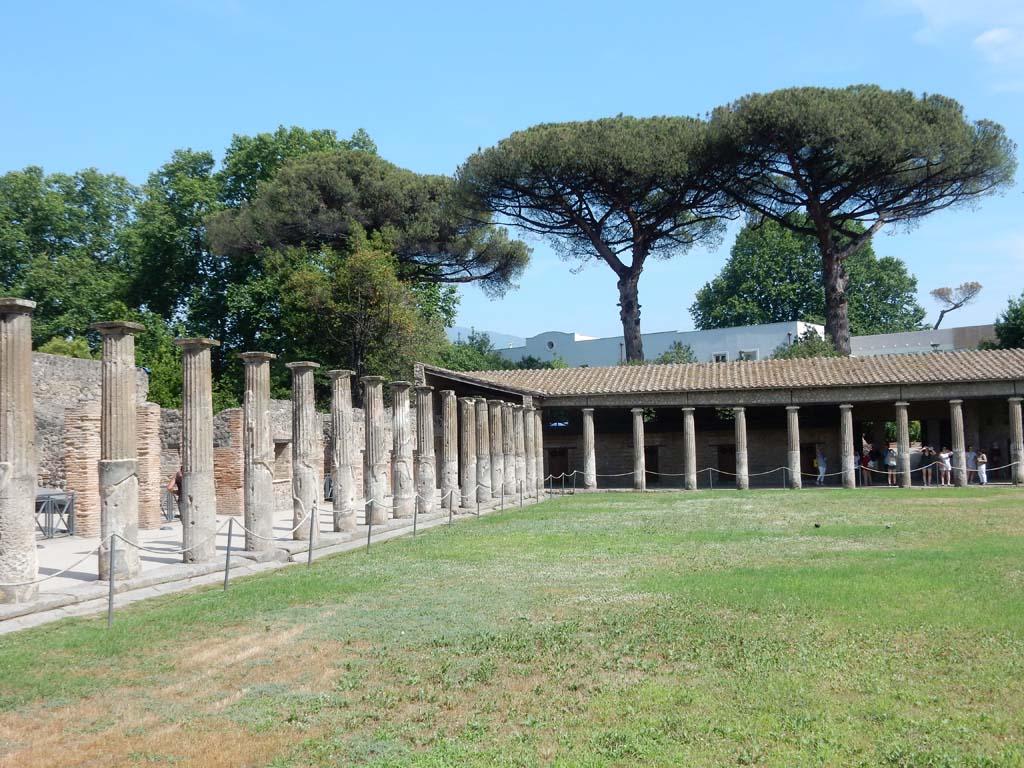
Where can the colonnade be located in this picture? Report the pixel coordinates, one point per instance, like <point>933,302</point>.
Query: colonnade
<point>848,461</point>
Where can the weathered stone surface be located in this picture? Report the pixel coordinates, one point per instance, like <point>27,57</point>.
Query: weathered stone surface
<point>343,451</point>
<point>257,453</point>
<point>497,450</point>
<point>306,460</point>
<point>449,449</point>
<point>530,440</point>
<point>793,445</point>
<point>483,451</point>
<point>375,456</point>
<point>639,460</point>
<point>846,460</point>
<point>425,459</point>
<point>538,435</point>
<point>956,420</point>
<point>689,451</point>
<point>118,470</point>
<point>508,449</point>
<point>404,490</point>
<point>740,423</point>
<point>467,451</point>
<point>18,563</point>
<point>152,483</point>
<point>903,444</point>
<point>1016,441</point>
<point>198,496</point>
<point>589,453</point>
<point>520,445</point>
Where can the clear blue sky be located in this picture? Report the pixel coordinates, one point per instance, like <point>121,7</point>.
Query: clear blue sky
<point>119,86</point>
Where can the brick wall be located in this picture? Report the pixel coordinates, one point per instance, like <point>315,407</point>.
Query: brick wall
<point>228,466</point>
<point>151,481</point>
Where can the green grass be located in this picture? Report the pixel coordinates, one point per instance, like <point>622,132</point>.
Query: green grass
<point>705,629</point>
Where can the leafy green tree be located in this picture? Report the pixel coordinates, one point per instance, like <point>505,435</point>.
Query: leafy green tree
<point>72,346</point>
<point>618,190</point>
<point>677,352</point>
<point>326,199</point>
<point>809,344</point>
<point>1010,325</point>
<point>773,274</point>
<point>854,156</point>
<point>475,353</point>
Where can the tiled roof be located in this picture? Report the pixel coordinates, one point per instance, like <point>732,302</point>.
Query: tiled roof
<point>925,368</point>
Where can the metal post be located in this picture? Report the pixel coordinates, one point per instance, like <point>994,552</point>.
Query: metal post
<point>711,477</point>
<point>502,499</point>
<point>563,483</point>
<point>110,576</point>
<point>415,515</point>
<point>520,494</point>
<point>369,528</point>
<point>451,512</point>
<point>574,482</point>
<point>478,506</point>
<point>313,512</point>
<point>227,556</point>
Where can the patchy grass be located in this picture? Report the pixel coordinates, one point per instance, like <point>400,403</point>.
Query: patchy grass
<point>695,629</point>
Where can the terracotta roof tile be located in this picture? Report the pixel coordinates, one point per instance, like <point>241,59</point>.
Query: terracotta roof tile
<point>925,368</point>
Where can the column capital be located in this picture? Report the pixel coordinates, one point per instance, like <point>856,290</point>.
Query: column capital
<point>493,402</point>
<point>255,358</point>
<point>689,409</point>
<point>1015,399</point>
<point>467,399</point>
<point>901,404</point>
<point>196,343</point>
<point>792,407</point>
<point>846,406</point>
<point>588,410</point>
<point>739,409</point>
<point>340,373</point>
<point>424,389</point>
<point>370,380</point>
<point>9,305</point>
<point>636,410</point>
<point>302,365</point>
<point>446,392</point>
<point>401,386</point>
<point>117,327</point>
<point>956,402</point>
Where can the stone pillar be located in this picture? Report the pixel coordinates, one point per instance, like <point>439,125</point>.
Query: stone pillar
<point>740,423</point>
<point>508,448</point>
<point>403,487</point>
<point>257,452</point>
<point>18,562</point>
<point>1016,442</point>
<point>538,437</point>
<point>846,460</point>
<point>956,421</point>
<point>793,445</point>
<point>426,471</point>
<point>306,485</point>
<point>343,451</point>
<point>903,444</point>
<point>119,461</point>
<point>520,444</point>
<point>467,451</point>
<point>484,479</point>
<point>639,460</point>
<point>449,449</point>
<point>689,451</point>
<point>494,408</point>
<point>375,470</point>
<point>589,456</point>
<point>530,440</point>
<point>198,496</point>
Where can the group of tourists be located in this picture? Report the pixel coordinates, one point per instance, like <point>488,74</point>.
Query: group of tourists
<point>936,466</point>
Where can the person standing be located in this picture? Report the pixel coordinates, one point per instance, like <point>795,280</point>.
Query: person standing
<point>972,463</point>
<point>821,463</point>
<point>890,466</point>
<point>927,463</point>
<point>945,465</point>
<point>865,460</point>
<point>982,464</point>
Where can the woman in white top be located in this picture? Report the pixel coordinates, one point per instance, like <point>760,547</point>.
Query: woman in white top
<point>946,465</point>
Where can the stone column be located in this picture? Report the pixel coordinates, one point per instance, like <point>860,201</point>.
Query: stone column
<point>343,451</point>
<point>449,449</point>
<point>119,461</point>
<point>257,452</point>
<point>538,437</point>
<point>18,562</point>
<point>846,460</point>
<point>306,456</point>
<point>639,460</point>
<point>530,440</point>
<point>198,495</point>
<point>508,448</point>
<point>956,420</point>
<point>1016,441</point>
<point>689,451</point>
<point>484,479</point>
<point>793,445</point>
<point>589,457</point>
<point>426,471</point>
<point>494,408</point>
<point>467,451</point>
<point>740,423</point>
<point>903,444</point>
<point>520,442</point>
<point>403,488</point>
<point>375,458</point>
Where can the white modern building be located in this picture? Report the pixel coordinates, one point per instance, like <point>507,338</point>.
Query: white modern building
<point>747,342</point>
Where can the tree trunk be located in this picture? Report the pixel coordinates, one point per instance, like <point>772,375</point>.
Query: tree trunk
<point>629,313</point>
<point>837,318</point>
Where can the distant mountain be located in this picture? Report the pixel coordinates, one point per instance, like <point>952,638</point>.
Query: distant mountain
<point>499,340</point>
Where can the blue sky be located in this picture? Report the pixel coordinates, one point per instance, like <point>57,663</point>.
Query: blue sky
<point>119,86</point>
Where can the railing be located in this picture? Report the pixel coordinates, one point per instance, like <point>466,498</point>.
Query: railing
<point>55,513</point>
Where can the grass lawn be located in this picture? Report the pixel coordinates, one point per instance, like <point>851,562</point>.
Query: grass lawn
<point>701,629</point>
